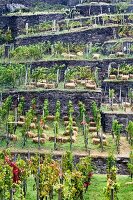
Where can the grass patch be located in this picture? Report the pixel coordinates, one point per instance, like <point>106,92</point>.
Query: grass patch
<point>95,191</point>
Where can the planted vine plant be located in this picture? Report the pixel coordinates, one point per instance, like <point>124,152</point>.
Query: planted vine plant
<point>70,124</point>
<point>4,113</point>
<point>56,124</point>
<point>97,118</point>
<point>111,97</point>
<point>6,181</point>
<point>76,177</point>
<point>129,130</point>
<point>21,106</point>
<point>14,175</point>
<point>86,168</point>
<point>112,186</point>
<point>26,126</point>
<point>11,76</point>
<point>46,173</point>
<point>130,165</point>
<point>116,130</point>
<point>45,109</point>
<point>65,180</point>
<point>39,131</point>
<point>84,123</point>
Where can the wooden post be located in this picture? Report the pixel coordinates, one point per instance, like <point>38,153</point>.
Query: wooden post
<point>55,137</point>
<point>112,194</point>
<point>60,194</point>
<point>38,175</point>
<point>71,132</point>
<point>7,51</point>
<point>11,194</point>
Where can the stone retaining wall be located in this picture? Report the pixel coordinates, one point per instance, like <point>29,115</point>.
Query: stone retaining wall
<point>101,64</point>
<point>99,163</point>
<point>100,9</point>
<point>83,36</point>
<point>123,85</point>
<point>107,119</point>
<point>53,95</point>
<point>17,23</point>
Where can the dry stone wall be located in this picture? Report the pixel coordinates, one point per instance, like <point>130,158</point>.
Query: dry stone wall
<point>53,95</point>
<point>17,23</point>
<point>84,36</point>
<point>107,119</point>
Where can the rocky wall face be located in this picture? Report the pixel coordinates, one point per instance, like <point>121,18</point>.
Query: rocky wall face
<point>96,9</point>
<point>31,3</point>
<point>102,65</point>
<point>107,119</point>
<point>99,163</point>
<point>53,95</point>
<point>122,86</point>
<point>84,36</point>
<point>17,23</point>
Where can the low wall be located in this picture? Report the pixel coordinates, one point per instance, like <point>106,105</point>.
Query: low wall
<point>117,86</point>
<point>107,119</point>
<point>101,64</point>
<point>17,22</point>
<point>99,163</point>
<point>31,3</point>
<point>99,9</point>
<point>121,163</point>
<point>83,36</point>
<point>53,95</point>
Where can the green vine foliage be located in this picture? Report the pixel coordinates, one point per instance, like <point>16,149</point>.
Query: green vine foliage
<point>73,187</point>
<point>130,164</point>
<point>67,162</point>
<point>51,177</point>
<point>85,167</point>
<point>130,131</point>
<point>21,106</point>
<point>116,129</point>
<point>46,108</point>
<point>6,181</point>
<point>97,115</point>
<point>112,185</point>
<point>12,75</point>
